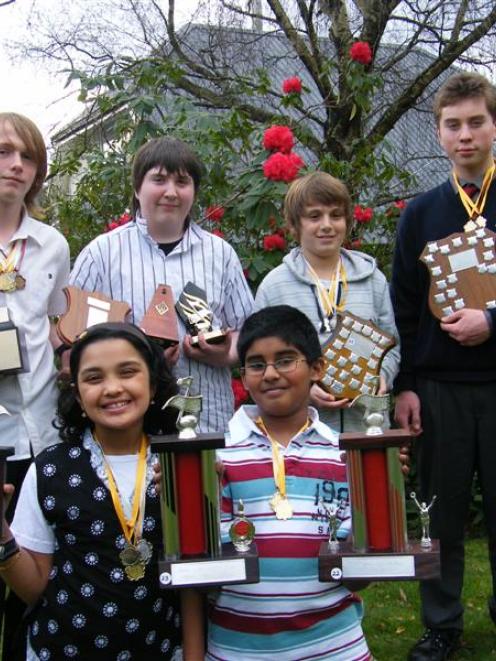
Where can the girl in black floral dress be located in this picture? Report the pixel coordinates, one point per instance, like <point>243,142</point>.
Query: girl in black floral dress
<point>82,549</point>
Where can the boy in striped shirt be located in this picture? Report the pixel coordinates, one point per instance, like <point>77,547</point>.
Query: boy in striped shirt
<point>284,464</point>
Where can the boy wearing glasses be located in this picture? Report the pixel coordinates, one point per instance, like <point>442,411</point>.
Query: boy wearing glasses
<point>284,464</point>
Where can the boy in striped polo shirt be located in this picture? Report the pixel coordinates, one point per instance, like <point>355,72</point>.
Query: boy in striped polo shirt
<point>284,464</point>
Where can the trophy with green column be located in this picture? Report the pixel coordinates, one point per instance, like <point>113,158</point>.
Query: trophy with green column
<point>380,548</point>
<point>190,507</point>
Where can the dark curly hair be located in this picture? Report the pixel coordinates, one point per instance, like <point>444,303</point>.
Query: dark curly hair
<point>70,420</point>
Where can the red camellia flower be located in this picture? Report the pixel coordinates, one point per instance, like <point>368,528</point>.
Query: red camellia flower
<point>239,391</point>
<point>361,52</point>
<point>400,204</point>
<point>278,138</point>
<point>218,233</point>
<point>292,85</point>
<point>282,167</point>
<point>273,242</point>
<point>215,213</point>
<point>362,214</point>
<point>122,220</point>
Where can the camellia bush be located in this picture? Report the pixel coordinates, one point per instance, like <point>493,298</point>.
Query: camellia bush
<point>248,168</point>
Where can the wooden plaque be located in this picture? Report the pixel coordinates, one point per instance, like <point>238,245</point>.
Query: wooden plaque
<point>462,270</point>
<point>160,320</point>
<point>353,355</point>
<point>85,309</point>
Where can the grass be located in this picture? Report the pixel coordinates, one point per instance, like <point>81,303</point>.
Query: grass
<point>392,622</point>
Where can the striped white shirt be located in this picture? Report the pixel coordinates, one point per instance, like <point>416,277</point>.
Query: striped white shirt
<point>289,612</point>
<point>128,265</point>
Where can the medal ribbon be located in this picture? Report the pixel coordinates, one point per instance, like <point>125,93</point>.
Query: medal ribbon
<point>278,467</point>
<point>12,259</point>
<point>130,526</point>
<point>329,299</point>
<point>475,208</point>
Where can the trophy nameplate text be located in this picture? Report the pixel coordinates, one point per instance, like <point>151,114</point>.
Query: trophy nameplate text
<point>160,320</point>
<point>85,309</point>
<point>353,357</point>
<point>380,549</point>
<point>190,506</point>
<point>462,270</point>
<point>12,360</point>
<point>197,316</point>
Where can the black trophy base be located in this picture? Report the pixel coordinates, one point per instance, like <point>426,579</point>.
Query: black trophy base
<point>210,337</point>
<point>228,568</point>
<point>413,564</point>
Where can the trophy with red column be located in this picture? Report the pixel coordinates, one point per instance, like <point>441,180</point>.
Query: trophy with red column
<point>190,507</point>
<point>379,549</point>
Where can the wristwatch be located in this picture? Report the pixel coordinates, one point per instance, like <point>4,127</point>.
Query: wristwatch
<point>8,549</point>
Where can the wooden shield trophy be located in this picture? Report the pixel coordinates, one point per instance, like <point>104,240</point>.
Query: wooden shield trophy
<point>12,357</point>
<point>380,549</point>
<point>462,270</point>
<point>85,309</point>
<point>353,356</point>
<point>160,320</point>
<point>197,316</point>
<point>193,552</point>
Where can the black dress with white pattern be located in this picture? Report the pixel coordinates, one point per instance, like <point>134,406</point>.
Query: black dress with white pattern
<point>90,609</point>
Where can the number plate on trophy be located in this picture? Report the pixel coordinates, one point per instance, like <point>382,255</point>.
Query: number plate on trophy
<point>353,357</point>
<point>462,270</point>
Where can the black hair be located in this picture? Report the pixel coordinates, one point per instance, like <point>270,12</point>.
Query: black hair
<point>70,420</point>
<point>284,322</point>
<point>168,153</point>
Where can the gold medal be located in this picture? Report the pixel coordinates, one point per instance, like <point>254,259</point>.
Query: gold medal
<point>281,506</point>
<point>137,553</point>
<point>7,282</point>
<point>135,572</point>
<point>129,555</point>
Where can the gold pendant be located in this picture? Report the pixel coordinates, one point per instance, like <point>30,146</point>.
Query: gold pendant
<point>7,282</point>
<point>281,506</point>
<point>135,572</point>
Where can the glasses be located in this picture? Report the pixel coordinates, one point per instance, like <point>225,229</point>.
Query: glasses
<point>283,366</point>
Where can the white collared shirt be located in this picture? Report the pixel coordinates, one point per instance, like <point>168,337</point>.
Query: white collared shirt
<point>31,397</point>
<point>128,265</point>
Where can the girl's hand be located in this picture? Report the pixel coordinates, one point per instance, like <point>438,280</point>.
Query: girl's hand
<point>157,476</point>
<point>171,354</point>
<point>324,400</point>
<point>404,457</point>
